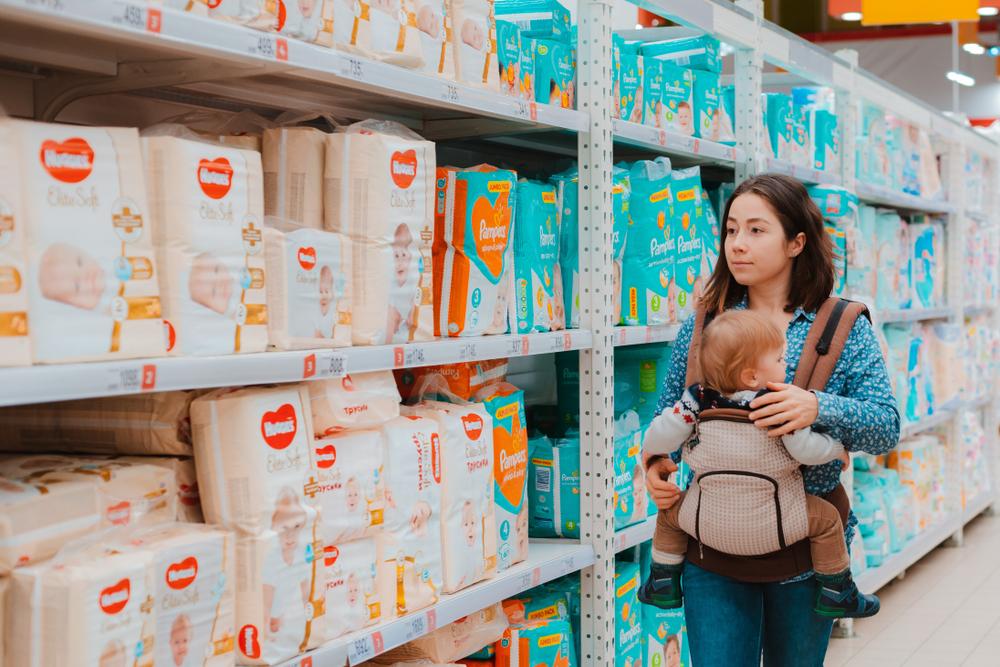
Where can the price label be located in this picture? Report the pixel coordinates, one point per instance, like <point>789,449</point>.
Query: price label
<point>127,379</point>
<point>449,93</point>
<point>614,126</point>
<point>649,334</point>
<point>306,661</point>
<point>330,364</point>
<point>360,649</point>
<point>514,347</point>
<point>525,346</point>
<point>622,542</point>
<point>352,68</point>
<point>567,341</point>
<point>654,136</point>
<point>733,148</point>
<point>416,628</point>
<point>617,338</point>
<point>536,576</point>
<point>467,352</point>
<point>696,146</point>
<point>526,111</point>
<point>525,582</point>
<point>398,357</point>
<point>262,46</point>
<point>414,356</point>
<point>557,343</point>
<point>570,566</point>
<point>127,15</point>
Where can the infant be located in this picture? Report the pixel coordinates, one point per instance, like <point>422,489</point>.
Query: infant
<point>638,493</point>
<point>428,21</point>
<point>306,8</point>
<point>180,638</point>
<point>327,318</point>
<point>473,34</point>
<point>636,116</point>
<point>469,522</point>
<point>68,274</point>
<point>286,575</point>
<point>685,119</point>
<point>210,283</point>
<point>401,297</point>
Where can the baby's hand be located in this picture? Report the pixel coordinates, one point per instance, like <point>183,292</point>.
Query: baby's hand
<point>845,460</point>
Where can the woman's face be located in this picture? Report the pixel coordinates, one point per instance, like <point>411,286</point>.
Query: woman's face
<point>757,251</point>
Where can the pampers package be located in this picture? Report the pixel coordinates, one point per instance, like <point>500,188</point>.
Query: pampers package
<point>567,204</point>
<point>208,215</point>
<point>628,626</point>
<point>536,256</point>
<point>463,379</point>
<point>555,73</point>
<point>395,33</point>
<point>15,344</point>
<point>257,477</point>
<point>697,53</point>
<point>349,466</point>
<point>358,400</point>
<point>677,100</point>
<point>509,57</point>
<point>505,404</point>
<point>630,85</point>
<point>664,636</point>
<point>308,287</point>
<point>652,98</point>
<point>473,251</point>
<point>353,591</point>
<point>548,642</point>
<point>640,372</point>
<point>88,258</point>
<point>410,567</point>
<point>473,39</point>
<point>379,192</point>
<point>435,25</point>
<point>777,116</point>
<point>292,160</point>
<point>631,499</point>
<point>526,87</point>
<point>538,18</point>
<point>825,136</point>
<point>692,229</point>
<point>927,264</point>
<point>711,120</point>
<point>649,289</point>
<point>554,487</point>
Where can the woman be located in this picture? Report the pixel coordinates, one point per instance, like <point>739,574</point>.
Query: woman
<point>778,261</point>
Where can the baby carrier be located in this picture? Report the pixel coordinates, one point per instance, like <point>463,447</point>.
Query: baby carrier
<point>746,507</point>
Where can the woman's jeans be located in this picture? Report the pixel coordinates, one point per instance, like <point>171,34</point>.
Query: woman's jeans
<point>730,623</point>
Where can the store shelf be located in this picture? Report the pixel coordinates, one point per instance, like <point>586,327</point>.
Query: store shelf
<point>895,564</point>
<point>977,505</point>
<point>939,418</point>
<point>169,47</point>
<point>977,310</point>
<point>913,315</point>
<point>545,563</point>
<point>877,194</point>
<point>672,143</point>
<point>978,402</point>
<point>34,384</point>
<point>802,174</point>
<point>978,216</point>
<point>624,538</point>
<point>657,333</point>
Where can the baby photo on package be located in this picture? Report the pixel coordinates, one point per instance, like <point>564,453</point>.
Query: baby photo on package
<point>395,33</point>
<point>352,586</point>
<point>308,20</point>
<point>351,27</point>
<point>434,23</point>
<point>352,488</point>
<point>474,41</point>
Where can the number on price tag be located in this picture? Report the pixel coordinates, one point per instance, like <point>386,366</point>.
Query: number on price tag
<point>352,68</point>
<point>261,46</point>
<point>129,16</point>
<point>331,365</point>
<point>127,379</point>
<point>360,649</point>
<point>467,352</point>
<point>449,93</point>
<point>418,627</point>
<point>514,347</point>
<point>149,377</point>
<point>414,355</point>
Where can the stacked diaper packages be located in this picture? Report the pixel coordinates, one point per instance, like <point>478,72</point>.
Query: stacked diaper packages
<point>536,257</point>
<point>308,287</point>
<point>889,242</point>
<point>631,499</point>
<point>538,18</point>
<point>464,379</point>
<point>711,120</point>
<point>292,161</point>
<point>505,405</point>
<point>554,487</point>
<point>308,21</point>
<point>778,119</point>
<point>649,289</point>
<point>79,263</point>
<point>824,135</point>
<point>474,43</point>
<point>677,100</point>
<point>629,83</point>
<point>927,263</point>
<point>352,27</point>
<point>839,208</point>
<point>257,473</point>
<point>628,614</point>
<point>980,266</point>
<point>872,161</point>
<point>567,204</point>
<point>692,231</point>
<point>801,143</point>
<point>945,349</point>
<point>453,641</point>
<point>555,73</point>
<point>379,193</point>
<point>652,99</point>
<point>473,252</point>
<point>862,254</point>
<point>548,642</point>
<point>208,214</point>
<point>700,52</point>
<point>567,392</point>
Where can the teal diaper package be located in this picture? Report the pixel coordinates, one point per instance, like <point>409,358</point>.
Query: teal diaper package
<point>701,52</point>
<point>927,264</point>
<point>628,615</point>
<point>537,643</point>
<point>648,289</point>
<point>555,73</point>
<point>800,137</point>
<point>536,18</point>
<point>664,638</point>
<point>621,193</point>
<point>509,57</point>
<point>640,371</point>
<point>526,86</point>
<point>567,202</point>
<point>690,227</point>
<point>569,585</point>
<point>676,98</point>
<point>630,86</point>
<point>538,604</point>
<point>568,391</point>
<point>708,113</point>
<point>825,139</point>
<point>840,211</point>
<point>871,165</point>
<point>652,92</point>
<point>536,253</point>
<point>631,499</point>
<point>554,487</point>
<point>777,112</point>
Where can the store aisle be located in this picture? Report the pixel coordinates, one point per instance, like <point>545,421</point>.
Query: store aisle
<point>946,612</point>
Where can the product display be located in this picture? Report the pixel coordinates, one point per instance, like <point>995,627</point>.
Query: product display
<point>536,257</point>
<point>474,43</point>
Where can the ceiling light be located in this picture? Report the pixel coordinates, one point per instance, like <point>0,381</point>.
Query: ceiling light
<point>988,11</point>
<point>974,49</point>
<point>960,78</point>
<point>850,16</point>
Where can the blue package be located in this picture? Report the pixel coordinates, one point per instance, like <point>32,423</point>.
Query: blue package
<point>555,73</point>
<point>568,201</point>
<point>700,53</point>
<point>628,615</point>
<point>553,488</point>
<point>567,391</point>
<point>677,99</point>
<point>536,254</point>
<point>537,18</point>
<point>631,500</point>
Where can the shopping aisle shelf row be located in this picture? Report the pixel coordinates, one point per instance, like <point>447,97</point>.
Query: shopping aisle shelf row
<point>802,174</point>
<point>978,216</point>
<point>57,382</point>
<point>883,196</point>
<point>942,416</point>
<point>675,144</point>
<point>624,538</point>
<point>977,505</point>
<point>914,315</point>
<point>656,333</point>
<point>545,562</point>
<point>977,310</point>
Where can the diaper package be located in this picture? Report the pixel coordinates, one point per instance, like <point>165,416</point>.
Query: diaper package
<point>567,391</point>
<point>555,73</point>
<point>825,140</point>
<point>349,467</point>
<point>185,477</point>
<point>554,487</point>
<point>128,492</point>
<point>800,137</point>
<point>777,113</point>
<point>631,499</point>
<point>453,641</point>
<point>208,213</point>
<point>468,525</point>
<point>567,204</point>
<point>526,86</point>
<point>652,88</point>
<point>379,192</point>
<point>351,27</point>
<point>15,344</point>
<point>538,18</point>
<point>474,43</point>
<point>353,590</point>
<point>292,160</point>
<point>410,567</point>
<point>927,264</point>
<point>640,372</point>
<point>88,259</point>
<point>536,643</point>
<point>151,423</point>
<point>464,379</point>
<point>308,288</point>
<point>889,243</point>
<point>308,21</point>
<point>359,400</point>
<point>697,53</point>
<point>690,224</point>
<point>395,33</point>
<point>711,120</point>
<point>677,100</point>
<point>473,254</point>
<point>630,86</point>
<point>649,291</point>
<point>258,14</point>
<point>628,628</point>
<point>664,636</point>
<point>536,255</point>
<point>257,477</point>
<point>94,611</point>
<point>505,405</point>
<point>509,58</point>
<point>435,24</point>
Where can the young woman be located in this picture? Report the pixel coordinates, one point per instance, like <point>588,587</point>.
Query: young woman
<point>778,262</point>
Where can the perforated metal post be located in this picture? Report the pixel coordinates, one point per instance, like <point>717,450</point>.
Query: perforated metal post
<point>596,310</point>
<point>749,122</point>
<point>955,235</point>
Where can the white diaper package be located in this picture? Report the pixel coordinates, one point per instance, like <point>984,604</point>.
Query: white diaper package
<point>359,400</point>
<point>410,567</point>
<point>257,477</point>
<point>292,161</point>
<point>88,612</point>
<point>351,31</point>
<point>468,527</point>
<point>15,345</point>
<point>129,492</point>
<point>474,41</point>
<point>352,586</point>
<point>308,20</point>
<point>352,489</point>
<point>250,141</point>
<point>380,192</point>
<point>435,24</point>
<point>196,7</point>
<point>185,477</point>
<point>208,214</point>
<point>36,520</point>
<point>308,288</point>
<point>152,423</point>
<point>258,14</point>
<point>395,34</point>
<point>451,642</point>
<point>88,243</point>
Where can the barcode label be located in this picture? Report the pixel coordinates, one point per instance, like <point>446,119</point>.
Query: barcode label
<point>543,479</point>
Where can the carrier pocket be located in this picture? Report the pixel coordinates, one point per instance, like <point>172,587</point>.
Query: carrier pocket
<point>739,513</point>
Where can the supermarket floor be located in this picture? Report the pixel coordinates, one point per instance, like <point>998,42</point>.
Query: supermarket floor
<point>945,612</point>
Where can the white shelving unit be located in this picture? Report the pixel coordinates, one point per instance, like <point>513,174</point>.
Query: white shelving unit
<point>107,47</point>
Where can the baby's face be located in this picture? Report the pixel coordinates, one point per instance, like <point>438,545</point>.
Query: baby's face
<point>671,655</point>
<point>288,522</point>
<point>401,256</point>
<point>353,589</point>
<point>770,368</point>
<point>671,298</point>
<point>472,34</point>
<point>325,290</point>
<point>352,494</point>
<point>638,488</point>
<point>469,524</point>
<point>210,283</point>
<point>180,640</point>
<point>427,21</point>
<point>500,312</point>
<point>684,117</point>
<point>306,7</point>
<point>69,275</point>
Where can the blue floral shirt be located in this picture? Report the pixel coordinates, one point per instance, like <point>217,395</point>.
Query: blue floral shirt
<point>857,406</point>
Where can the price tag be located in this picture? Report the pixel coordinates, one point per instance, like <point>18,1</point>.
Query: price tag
<point>414,355</point>
<point>557,343</point>
<point>733,148</point>
<point>331,364</point>
<point>361,649</point>
<point>352,67</point>
<point>262,45</point>
<point>127,15</point>
<point>614,126</point>
<point>536,576</point>
<point>616,337</point>
<point>398,357</point>
<point>663,138</point>
<point>128,379</point>
<point>567,341</point>
<point>416,627</point>
<point>569,566</point>
<point>467,352</point>
<point>525,582</point>
<point>514,347</point>
<point>307,661</point>
<point>525,346</point>
<point>654,136</point>
<point>649,334</point>
<point>449,93</point>
<point>622,542</point>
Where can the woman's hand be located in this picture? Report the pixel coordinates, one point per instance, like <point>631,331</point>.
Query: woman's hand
<point>788,407</point>
<point>664,492</point>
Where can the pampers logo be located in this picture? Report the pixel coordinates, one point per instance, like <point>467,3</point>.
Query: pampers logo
<point>181,575</point>
<point>279,427</point>
<point>215,177</point>
<point>114,598</point>
<point>686,246</point>
<point>403,168</point>
<point>656,249</point>
<point>70,161</point>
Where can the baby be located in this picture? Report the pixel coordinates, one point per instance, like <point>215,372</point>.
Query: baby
<point>180,638</point>
<point>636,116</point>
<point>713,133</point>
<point>69,275</point>
<point>472,34</point>
<point>286,574</point>
<point>210,283</point>
<point>428,22</point>
<point>739,354</point>
<point>469,522</point>
<point>671,651</point>
<point>327,318</point>
<point>638,493</point>
<point>353,597</point>
<point>685,119</point>
<point>555,95</point>
<point>401,298</point>
<point>113,654</point>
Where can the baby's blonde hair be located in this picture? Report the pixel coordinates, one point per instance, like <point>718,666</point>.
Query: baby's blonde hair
<point>732,343</point>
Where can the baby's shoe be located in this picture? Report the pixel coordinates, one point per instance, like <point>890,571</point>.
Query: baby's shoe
<point>837,596</point>
<point>663,588</point>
